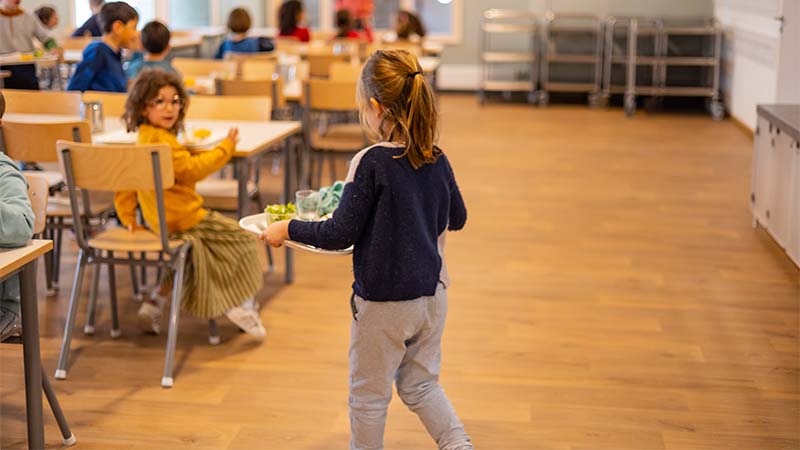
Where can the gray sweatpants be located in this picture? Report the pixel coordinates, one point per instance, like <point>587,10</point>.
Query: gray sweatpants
<point>400,341</point>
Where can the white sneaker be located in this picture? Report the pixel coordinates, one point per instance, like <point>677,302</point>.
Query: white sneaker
<point>149,315</point>
<point>246,317</point>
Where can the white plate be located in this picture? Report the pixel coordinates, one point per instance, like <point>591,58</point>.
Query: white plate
<point>123,137</point>
<point>257,223</point>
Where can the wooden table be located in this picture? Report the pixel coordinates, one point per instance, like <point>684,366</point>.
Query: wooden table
<point>22,261</point>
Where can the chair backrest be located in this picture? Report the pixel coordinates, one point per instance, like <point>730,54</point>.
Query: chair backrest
<point>344,71</point>
<point>319,64</point>
<point>290,45</point>
<point>113,102</point>
<point>257,69</point>
<point>241,58</point>
<point>229,107</point>
<point>75,43</point>
<point>194,67</point>
<point>36,142</point>
<point>38,190</point>
<point>116,168</point>
<point>42,102</point>
<point>258,88</point>
<point>415,48</point>
<point>327,95</point>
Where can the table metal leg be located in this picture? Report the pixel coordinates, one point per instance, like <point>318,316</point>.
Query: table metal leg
<point>287,190</point>
<point>32,358</point>
<point>50,393</point>
<point>240,166</point>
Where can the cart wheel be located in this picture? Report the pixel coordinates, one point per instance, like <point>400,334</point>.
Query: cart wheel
<point>717,110</point>
<point>481,97</point>
<point>597,100</point>
<point>543,98</point>
<point>652,103</point>
<point>629,104</point>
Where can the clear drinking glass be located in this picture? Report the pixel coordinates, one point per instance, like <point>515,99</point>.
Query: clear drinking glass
<point>308,202</point>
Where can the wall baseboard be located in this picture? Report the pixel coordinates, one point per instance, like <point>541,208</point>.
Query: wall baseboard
<point>746,129</point>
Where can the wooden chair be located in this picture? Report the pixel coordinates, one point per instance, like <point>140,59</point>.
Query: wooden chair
<point>75,43</point>
<point>229,107</point>
<point>319,64</point>
<point>113,102</point>
<point>241,58</point>
<point>258,69</point>
<point>289,45</point>
<point>42,102</point>
<point>36,142</point>
<point>326,100</point>
<point>117,168</point>
<point>38,194</point>
<point>266,87</point>
<point>345,71</point>
<point>195,67</point>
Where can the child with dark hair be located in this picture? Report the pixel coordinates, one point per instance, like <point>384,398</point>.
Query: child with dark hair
<point>48,16</point>
<point>223,272</point>
<point>239,23</point>
<point>290,16</point>
<point>155,42</point>
<point>345,25</point>
<point>91,27</point>
<point>409,27</point>
<point>18,28</point>
<point>101,67</point>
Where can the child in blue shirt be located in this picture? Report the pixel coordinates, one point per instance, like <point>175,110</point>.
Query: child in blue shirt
<point>238,24</point>
<point>155,41</point>
<point>101,67</point>
<point>399,200</point>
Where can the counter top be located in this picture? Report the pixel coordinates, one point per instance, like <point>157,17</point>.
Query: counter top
<point>785,116</point>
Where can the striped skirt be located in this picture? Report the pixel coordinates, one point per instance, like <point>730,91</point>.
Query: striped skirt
<point>222,270</point>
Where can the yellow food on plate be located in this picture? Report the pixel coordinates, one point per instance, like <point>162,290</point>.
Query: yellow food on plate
<point>201,133</point>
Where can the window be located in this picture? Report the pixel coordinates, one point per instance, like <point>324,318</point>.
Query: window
<point>436,15</point>
<point>188,13</point>
<point>145,8</point>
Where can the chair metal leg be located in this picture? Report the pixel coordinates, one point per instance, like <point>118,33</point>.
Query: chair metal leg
<point>61,371</point>
<point>333,167</point>
<point>144,271</point>
<point>57,243</point>
<point>319,170</point>
<point>50,393</point>
<point>213,335</point>
<point>112,291</point>
<point>172,337</point>
<point>91,310</point>
<point>48,264</point>
<point>137,293</point>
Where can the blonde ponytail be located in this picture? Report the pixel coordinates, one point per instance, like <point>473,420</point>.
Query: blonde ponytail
<point>395,80</point>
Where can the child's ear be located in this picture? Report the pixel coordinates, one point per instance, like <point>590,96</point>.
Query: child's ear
<point>375,105</point>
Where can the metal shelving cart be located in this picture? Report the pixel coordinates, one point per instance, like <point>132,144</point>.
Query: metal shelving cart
<point>571,42</point>
<point>498,22</point>
<point>689,61</point>
<point>630,62</point>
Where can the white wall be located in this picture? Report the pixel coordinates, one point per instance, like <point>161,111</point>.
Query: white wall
<point>750,54</point>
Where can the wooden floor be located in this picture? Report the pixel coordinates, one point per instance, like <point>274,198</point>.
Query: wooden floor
<point>608,292</point>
